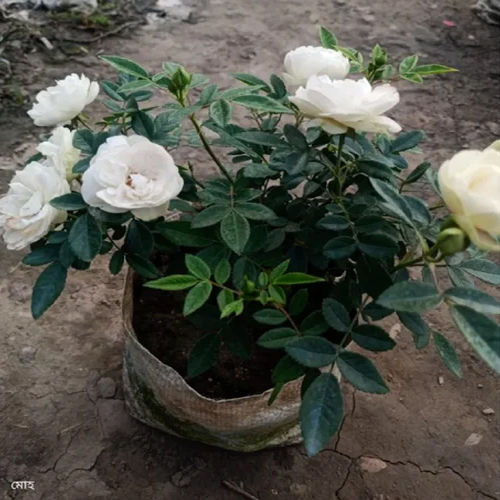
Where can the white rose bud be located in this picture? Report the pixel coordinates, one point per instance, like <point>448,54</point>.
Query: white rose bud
<point>60,152</point>
<point>304,62</point>
<point>25,212</point>
<point>342,104</point>
<point>60,104</point>
<point>470,186</point>
<point>131,173</point>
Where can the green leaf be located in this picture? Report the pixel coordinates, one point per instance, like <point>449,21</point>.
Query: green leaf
<point>327,38</point>
<point>485,270</point>
<point>116,262</point>
<point>417,326</point>
<point>251,80</point>
<point>298,302</point>
<point>412,77</point>
<point>258,171</point>
<point>407,140</point>
<point>448,354</point>
<point>433,69</point>
<point>373,338</point>
<point>173,282</point>
<point>261,138</point>
<point>181,233</point>
<point>135,85</point>
<point>48,287</point>
<point>210,216</point>
<point>475,299</point>
<point>296,279</point>
<point>254,211</point>
<point>222,271</point>
<point>70,201</point>
<point>235,231</point>
<point>142,266</point>
<point>81,165</point>
<point>340,247</point>
<point>321,412</point>
<point>224,297</point>
<point>410,296</point>
<point>269,317</point>
<point>416,174</point>
<point>313,352</point>
<point>143,124</point>
<point>336,315</point>
<point>277,338</point>
<point>395,202</point>
<point>333,223</point>
<point>204,355</point>
<point>126,66</point>
<point>139,239</point>
<point>361,373</point>
<point>408,64</point>
<point>377,245</point>
<point>314,324</point>
<point>261,103</point>
<point>459,277</point>
<point>84,141</point>
<point>42,255</point>
<point>220,112</point>
<point>236,307</point>
<point>196,297</point>
<point>482,333</point>
<point>285,371</point>
<point>279,270</point>
<point>85,238</point>
<point>207,94</point>
<point>295,137</point>
<point>197,267</point>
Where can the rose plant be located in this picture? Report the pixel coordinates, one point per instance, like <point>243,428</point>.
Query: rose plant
<point>307,234</point>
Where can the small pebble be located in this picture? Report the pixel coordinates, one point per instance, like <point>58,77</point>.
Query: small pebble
<point>480,386</point>
<point>440,380</point>
<point>473,439</point>
<point>27,354</point>
<point>488,411</point>
<point>372,464</point>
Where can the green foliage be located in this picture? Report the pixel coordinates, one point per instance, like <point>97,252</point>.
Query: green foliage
<point>299,245</point>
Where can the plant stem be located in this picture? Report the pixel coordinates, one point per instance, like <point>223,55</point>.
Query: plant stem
<point>289,318</point>
<point>209,150</point>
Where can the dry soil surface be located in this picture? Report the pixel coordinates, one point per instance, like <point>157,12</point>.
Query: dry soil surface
<point>63,422</point>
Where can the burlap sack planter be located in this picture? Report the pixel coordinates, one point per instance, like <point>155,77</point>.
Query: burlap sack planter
<point>157,395</point>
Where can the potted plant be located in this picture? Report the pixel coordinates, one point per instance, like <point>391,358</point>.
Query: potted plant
<point>245,291</point>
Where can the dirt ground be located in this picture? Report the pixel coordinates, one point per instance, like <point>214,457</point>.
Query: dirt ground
<point>62,417</point>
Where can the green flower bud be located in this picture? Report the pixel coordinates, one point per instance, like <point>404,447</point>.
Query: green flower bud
<point>452,240</point>
<point>181,78</point>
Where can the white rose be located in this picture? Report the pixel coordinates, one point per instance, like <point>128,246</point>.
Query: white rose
<point>470,186</point>
<point>60,104</point>
<point>341,104</point>
<point>25,212</point>
<point>131,173</point>
<point>60,152</point>
<point>304,62</point>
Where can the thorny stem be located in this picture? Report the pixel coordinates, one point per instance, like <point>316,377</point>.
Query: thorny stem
<point>209,150</point>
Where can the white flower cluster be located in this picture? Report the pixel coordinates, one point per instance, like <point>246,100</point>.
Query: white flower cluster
<point>133,174</point>
<point>126,173</point>
<point>331,100</point>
